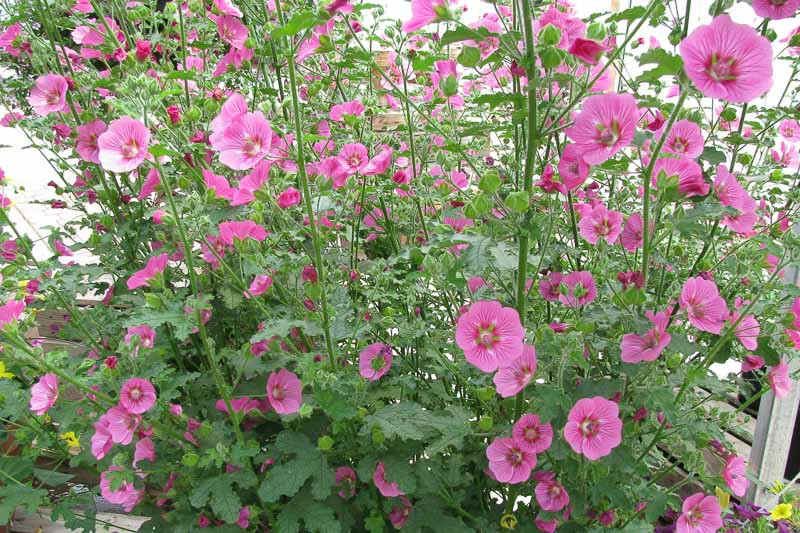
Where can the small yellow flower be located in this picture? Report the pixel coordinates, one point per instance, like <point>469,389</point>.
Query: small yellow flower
<point>3,373</point>
<point>776,487</point>
<point>781,511</point>
<point>508,521</point>
<point>723,497</point>
<point>70,438</point>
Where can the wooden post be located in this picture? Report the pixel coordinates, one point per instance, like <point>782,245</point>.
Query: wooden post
<point>773,435</point>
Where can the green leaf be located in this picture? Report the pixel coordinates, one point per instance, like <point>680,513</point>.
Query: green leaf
<point>289,476</point>
<point>334,404</point>
<point>655,506</point>
<point>462,33</point>
<point>174,315</point>
<point>405,420</point>
<point>770,355</point>
<point>713,156</point>
<point>666,64</point>
<point>632,13</point>
<point>469,56</point>
<point>51,478</point>
<point>454,428</point>
<point>315,516</point>
<point>13,496</point>
<point>299,22</point>
<point>219,491</point>
<point>638,526</point>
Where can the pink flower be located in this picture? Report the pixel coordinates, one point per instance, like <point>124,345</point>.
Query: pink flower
<point>423,12</point>
<point>549,287</point>
<point>790,130</point>
<point>152,181</point>
<point>775,9</point>
<point>244,142</point>
<point>728,189</point>
<point>550,494</point>
<point>683,172</point>
<point>386,488</point>
<point>509,462</point>
<point>241,230</point>
<point>218,184</point>
<point>734,474</point>
<point>227,7</point>
<point>144,450</point>
<point>243,521</point>
<point>126,494</point>
<point>684,138</point>
<point>231,30</point>
<point>378,164</point>
<point>593,427</point>
<point>285,392</point>
<point>601,223</point>
<point>490,335</point>
<point>706,309</point>
<point>701,514</point>
<point>571,27</point>
<point>747,330</point>
<point>531,434</point>
<point>289,197</point>
<point>101,440</point>
<point>475,283</point>
<point>511,378</point>
<point>400,513</point>
<point>548,526</point>
<point>779,380</point>
<point>632,235</point>
<point>728,60</point>
<point>155,266</point>
<point>137,396</point>
<point>44,394</point>
<point>572,168</point>
<point>604,126</point>
<point>49,95</point>
<point>354,157</point>
<point>752,362</point>
<point>86,145</point>
<point>346,479</point>
<point>353,108</point>
<point>648,346</point>
<point>375,361</point>
<point>587,50</point>
<point>10,312</point>
<point>259,286</point>
<point>123,146</point>
<point>581,289</point>
<point>144,333</point>
<point>122,425</point>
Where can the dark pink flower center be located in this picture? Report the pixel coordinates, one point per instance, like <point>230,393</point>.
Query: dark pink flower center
<point>486,337</point>
<point>694,517</point>
<point>251,146</point>
<point>608,136</point>
<point>514,456</point>
<point>532,434</point>
<point>589,427</point>
<point>572,168</point>
<point>278,392</point>
<point>135,394</point>
<point>554,491</point>
<point>130,149</point>
<point>721,69</point>
<point>53,97</point>
<point>354,160</point>
<point>602,227</point>
<point>679,144</point>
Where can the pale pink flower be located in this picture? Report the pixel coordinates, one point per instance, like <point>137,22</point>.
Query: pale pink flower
<point>137,396</point>
<point>531,434</point>
<point>12,41</point>
<point>734,474</point>
<point>375,361</point>
<point>549,287</point>
<point>234,107</point>
<point>752,362</point>
<point>728,61</point>
<point>126,494</point>
<point>49,95</point>
<point>729,191</point>
<point>604,126</point>
<point>122,425</point>
<point>790,130</point>
<point>155,266</point>
<point>547,526</point>
<point>512,377</point>
<point>86,145</point>
<point>700,514</point>
<point>145,450</point>
<point>509,462</point>
<point>221,187</point>
<point>123,146</point>
<point>581,289</point>
<point>241,230</point>
<point>572,169</point>
<point>288,198</point>
<point>704,306</point>
<point>490,335</point>
<point>746,218</point>
<point>44,394</point>
<point>346,479</point>
<point>601,223</point>
<point>145,334</point>
<point>101,440</point>
<point>587,50</point>
<point>151,181</point>
<point>387,489</point>
<point>747,330</point>
<point>779,380</point>
<point>355,158</point>
<point>632,235</point>
<point>285,392</point>
<point>683,172</point>
<point>353,108</point>
<point>775,9</point>
<point>227,7</point>
<point>550,494</point>
<point>245,141</point>
<point>231,30</point>
<point>648,346</point>
<point>259,286</point>
<point>593,427</point>
<point>380,163</point>
<point>424,12</point>
<point>10,312</point>
<point>684,138</point>
<point>234,58</point>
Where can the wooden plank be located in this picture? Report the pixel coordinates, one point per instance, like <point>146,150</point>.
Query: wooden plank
<point>40,522</point>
